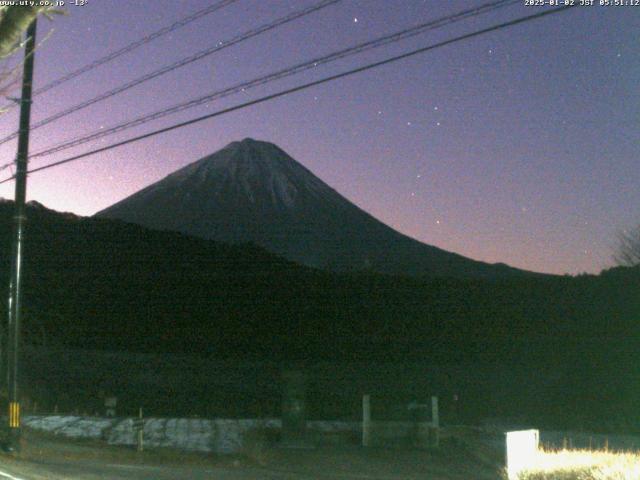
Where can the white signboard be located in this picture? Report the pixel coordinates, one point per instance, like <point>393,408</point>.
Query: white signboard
<point>522,449</point>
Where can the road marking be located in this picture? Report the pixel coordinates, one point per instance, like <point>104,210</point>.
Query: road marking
<point>9,476</point>
<point>138,467</point>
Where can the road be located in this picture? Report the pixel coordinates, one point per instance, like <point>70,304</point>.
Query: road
<point>20,470</point>
<point>23,470</point>
<point>48,457</point>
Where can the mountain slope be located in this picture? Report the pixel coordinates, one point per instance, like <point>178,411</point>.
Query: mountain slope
<point>105,284</point>
<point>252,191</point>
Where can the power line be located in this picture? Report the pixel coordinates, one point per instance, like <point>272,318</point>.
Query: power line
<point>280,74</point>
<point>300,87</point>
<point>180,63</point>
<point>129,48</point>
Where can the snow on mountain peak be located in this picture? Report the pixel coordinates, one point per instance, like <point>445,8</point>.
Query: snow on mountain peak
<point>259,170</point>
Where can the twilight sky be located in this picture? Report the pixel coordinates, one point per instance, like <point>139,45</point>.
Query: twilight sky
<point>520,146</point>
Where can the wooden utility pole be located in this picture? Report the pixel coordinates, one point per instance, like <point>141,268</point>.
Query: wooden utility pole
<point>15,286</point>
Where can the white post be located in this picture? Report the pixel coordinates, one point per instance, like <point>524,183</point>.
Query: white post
<point>140,432</point>
<point>435,415</point>
<point>521,449</point>
<point>366,420</point>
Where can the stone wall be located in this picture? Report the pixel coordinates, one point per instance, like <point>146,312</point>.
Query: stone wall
<point>193,434</point>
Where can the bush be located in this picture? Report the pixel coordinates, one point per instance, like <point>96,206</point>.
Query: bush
<point>584,465</point>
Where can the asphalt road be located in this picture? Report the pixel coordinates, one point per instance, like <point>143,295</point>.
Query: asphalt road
<point>22,470</point>
<point>52,457</point>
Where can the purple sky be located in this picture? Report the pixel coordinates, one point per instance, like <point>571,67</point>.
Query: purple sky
<point>520,146</point>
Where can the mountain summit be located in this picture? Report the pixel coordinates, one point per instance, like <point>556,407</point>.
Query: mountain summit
<point>253,191</point>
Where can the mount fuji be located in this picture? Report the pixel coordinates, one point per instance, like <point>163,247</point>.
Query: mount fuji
<point>254,192</point>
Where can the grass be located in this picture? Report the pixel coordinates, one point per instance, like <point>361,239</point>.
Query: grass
<point>584,465</point>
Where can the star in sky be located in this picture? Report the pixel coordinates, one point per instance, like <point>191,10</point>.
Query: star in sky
<point>466,82</point>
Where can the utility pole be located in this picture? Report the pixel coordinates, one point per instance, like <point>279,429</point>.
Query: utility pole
<point>15,287</point>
